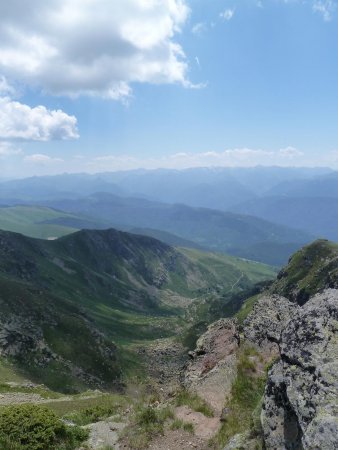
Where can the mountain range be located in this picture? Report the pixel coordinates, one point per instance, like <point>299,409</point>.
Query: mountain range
<point>220,231</point>
<point>260,213</point>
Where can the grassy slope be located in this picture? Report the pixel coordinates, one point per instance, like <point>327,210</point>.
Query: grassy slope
<point>309,271</point>
<point>28,220</point>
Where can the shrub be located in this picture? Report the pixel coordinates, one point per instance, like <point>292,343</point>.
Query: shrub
<point>33,427</point>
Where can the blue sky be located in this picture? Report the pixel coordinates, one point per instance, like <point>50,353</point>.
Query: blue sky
<point>215,82</point>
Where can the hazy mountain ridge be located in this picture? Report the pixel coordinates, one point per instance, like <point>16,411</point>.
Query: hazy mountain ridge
<point>316,215</point>
<point>215,230</point>
<point>298,198</point>
<point>218,188</point>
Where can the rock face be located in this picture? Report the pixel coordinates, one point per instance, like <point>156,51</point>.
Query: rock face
<point>19,337</point>
<point>23,339</point>
<point>212,368</point>
<point>300,407</point>
<point>264,325</point>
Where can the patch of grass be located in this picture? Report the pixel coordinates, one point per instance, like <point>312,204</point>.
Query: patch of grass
<point>189,427</point>
<point>246,395</point>
<point>93,414</point>
<point>146,423</point>
<point>246,308</point>
<point>194,402</point>
<point>179,424</point>
<point>8,372</point>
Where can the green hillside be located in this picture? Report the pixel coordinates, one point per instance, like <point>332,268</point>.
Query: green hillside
<point>30,220</point>
<point>310,270</point>
<point>71,309</point>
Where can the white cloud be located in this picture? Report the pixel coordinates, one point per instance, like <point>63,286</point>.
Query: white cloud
<point>325,8</point>
<point>290,152</point>
<point>21,122</point>
<point>92,47</point>
<point>227,14</point>
<point>242,157</point>
<point>8,149</point>
<point>199,28</point>
<point>42,159</point>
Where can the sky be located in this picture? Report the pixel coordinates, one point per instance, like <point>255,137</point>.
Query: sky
<point>104,85</point>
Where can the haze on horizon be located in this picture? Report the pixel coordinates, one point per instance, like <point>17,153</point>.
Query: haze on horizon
<point>97,86</point>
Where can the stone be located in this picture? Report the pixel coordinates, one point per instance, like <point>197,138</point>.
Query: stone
<point>264,325</point>
<point>213,366</point>
<point>300,408</point>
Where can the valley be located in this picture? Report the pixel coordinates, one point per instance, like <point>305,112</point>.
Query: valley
<point>111,289</point>
<point>208,397</point>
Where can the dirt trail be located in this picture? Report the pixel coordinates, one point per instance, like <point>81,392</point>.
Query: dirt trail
<point>178,440</point>
<point>204,427</point>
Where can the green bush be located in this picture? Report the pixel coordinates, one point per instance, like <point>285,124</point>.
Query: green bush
<point>33,427</point>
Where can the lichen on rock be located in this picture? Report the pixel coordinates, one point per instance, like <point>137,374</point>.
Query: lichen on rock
<point>300,408</point>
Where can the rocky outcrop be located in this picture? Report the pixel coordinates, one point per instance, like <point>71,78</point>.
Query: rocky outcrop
<point>19,337</point>
<point>264,325</point>
<point>212,368</point>
<point>300,407</point>
<point>23,339</point>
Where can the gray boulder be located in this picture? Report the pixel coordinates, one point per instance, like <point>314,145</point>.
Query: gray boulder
<point>264,325</point>
<point>300,408</point>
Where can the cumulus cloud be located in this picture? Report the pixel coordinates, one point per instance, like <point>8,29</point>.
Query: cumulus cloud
<point>21,122</point>
<point>227,14</point>
<point>92,47</point>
